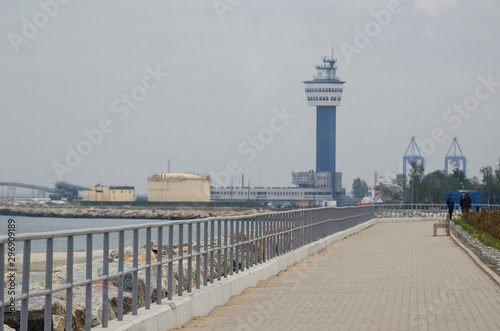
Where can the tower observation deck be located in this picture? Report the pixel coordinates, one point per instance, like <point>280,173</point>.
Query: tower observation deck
<point>325,92</point>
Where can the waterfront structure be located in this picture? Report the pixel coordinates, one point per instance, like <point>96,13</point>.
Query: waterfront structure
<point>311,186</point>
<point>109,193</point>
<point>325,93</point>
<point>62,190</point>
<point>180,187</point>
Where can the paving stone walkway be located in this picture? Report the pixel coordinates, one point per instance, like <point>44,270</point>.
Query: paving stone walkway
<point>391,276</point>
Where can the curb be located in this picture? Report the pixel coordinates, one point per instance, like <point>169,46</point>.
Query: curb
<point>477,260</point>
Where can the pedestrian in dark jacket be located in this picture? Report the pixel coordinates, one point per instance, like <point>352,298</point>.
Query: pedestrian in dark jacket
<point>451,205</point>
<point>467,203</point>
<point>462,200</point>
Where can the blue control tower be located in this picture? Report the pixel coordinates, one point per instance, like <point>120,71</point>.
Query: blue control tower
<point>325,92</point>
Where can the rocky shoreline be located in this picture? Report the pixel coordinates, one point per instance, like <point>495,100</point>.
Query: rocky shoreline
<point>37,282</point>
<point>124,212</point>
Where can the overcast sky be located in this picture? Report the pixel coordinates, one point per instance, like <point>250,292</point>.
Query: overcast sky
<point>107,92</point>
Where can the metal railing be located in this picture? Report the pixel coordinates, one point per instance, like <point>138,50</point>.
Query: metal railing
<point>212,249</point>
<point>422,210</point>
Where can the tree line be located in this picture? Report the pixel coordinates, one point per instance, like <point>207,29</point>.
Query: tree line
<point>431,188</point>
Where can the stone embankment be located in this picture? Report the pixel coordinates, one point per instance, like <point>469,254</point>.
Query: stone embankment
<point>96,212</point>
<point>37,282</point>
<point>492,255</point>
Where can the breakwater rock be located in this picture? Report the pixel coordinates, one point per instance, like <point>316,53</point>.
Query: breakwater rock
<point>36,305</point>
<point>98,212</point>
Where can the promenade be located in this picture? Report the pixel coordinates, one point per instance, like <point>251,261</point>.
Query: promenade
<point>391,276</point>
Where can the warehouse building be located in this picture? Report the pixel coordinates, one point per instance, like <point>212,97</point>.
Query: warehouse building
<point>109,193</point>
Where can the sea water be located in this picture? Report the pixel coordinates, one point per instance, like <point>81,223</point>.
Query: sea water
<point>36,225</point>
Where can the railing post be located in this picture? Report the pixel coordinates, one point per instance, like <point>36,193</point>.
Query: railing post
<point>105,271</point>
<point>219,252</point>
<point>205,254</point>
<point>212,246</point>
<point>237,251</point>
<point>190,258</point>
<point>180,272</point>
<point>88,287</point>
<point>274,235</point>
<point>135,274</point>
<point>48,284</point>
<point>170,263</point>
<point>198,257</point>
<point>253,244</point>
<point>69,280</point>
<point>248,244</point>
<point>121,247</point>
<point>147,303</point>
<point>159,268</point>
<point>226,234</point>
<point>231,250</point>
<point>26,284</point>
<point>242,244</point>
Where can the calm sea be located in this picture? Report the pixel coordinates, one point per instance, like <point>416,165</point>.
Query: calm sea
<point>47,224</point>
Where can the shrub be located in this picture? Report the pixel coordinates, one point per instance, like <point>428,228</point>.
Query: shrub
<point>486,220</point>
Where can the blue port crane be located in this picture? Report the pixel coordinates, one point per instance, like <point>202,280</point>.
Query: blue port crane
<point>412,154</point>
<point>455,159</point>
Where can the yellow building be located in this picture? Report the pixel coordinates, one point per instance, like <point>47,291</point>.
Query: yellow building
<point>109,193</point>
<point>178,187</point>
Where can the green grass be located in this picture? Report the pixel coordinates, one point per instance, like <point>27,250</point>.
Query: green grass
<point>484,237</point>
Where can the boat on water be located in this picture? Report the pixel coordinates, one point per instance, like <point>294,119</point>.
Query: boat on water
<point>374,197</point>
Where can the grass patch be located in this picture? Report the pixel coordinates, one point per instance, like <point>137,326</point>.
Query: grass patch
<point>484,237</point>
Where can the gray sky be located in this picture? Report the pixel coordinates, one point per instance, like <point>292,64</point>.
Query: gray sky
<point>232,66</point>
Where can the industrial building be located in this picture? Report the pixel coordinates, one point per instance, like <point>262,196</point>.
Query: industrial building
<point>180,187</point>
<point>311,187</point>
<point>109,193</point>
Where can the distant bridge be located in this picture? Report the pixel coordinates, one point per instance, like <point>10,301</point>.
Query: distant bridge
<point>67,190</point>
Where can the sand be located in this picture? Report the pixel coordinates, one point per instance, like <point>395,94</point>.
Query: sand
<point>37,260</point>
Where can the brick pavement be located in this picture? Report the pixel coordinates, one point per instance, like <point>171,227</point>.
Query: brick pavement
<point>391,276</point>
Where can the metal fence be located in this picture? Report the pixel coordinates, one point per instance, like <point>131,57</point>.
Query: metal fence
<point>207,250</point>
<point>422,210</point>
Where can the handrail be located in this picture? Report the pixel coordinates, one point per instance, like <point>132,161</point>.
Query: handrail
<point>217,248</point>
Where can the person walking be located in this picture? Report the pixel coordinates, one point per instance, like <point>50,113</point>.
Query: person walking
<point>462,200</point>
<point>467,203</point>
<point>451,205</point>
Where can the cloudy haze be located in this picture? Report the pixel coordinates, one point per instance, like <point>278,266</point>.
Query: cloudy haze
<point>129,85</point>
